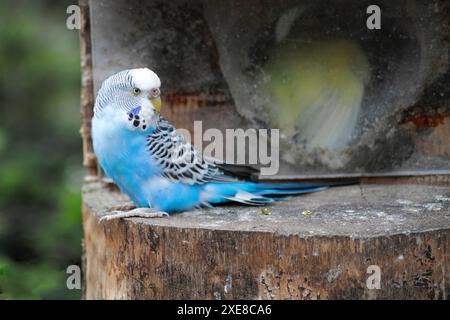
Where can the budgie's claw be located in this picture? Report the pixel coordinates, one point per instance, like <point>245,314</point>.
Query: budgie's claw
<point>138,212</point>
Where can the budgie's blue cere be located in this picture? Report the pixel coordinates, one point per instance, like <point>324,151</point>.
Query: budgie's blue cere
<point>152,163</point>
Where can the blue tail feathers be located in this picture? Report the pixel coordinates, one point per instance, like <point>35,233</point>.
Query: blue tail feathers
<point>259,194</point>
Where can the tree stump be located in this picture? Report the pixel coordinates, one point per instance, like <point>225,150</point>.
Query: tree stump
<point>317,246</point>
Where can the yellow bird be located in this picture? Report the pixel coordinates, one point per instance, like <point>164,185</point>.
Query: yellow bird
<point>315,89</point>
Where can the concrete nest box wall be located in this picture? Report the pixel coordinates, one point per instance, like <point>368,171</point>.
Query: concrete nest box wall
<point>348,100</point>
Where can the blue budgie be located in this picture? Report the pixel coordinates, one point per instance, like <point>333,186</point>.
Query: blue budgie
<point>151,161</point>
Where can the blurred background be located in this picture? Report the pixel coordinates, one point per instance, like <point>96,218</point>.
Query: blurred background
<point>40,150</point>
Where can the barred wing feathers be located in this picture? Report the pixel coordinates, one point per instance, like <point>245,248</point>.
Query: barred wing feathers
<point>179,160</point>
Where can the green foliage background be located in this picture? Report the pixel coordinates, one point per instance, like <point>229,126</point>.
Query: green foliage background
<point>40,150</point>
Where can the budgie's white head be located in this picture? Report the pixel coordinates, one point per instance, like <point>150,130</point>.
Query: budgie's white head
<point>129,89</point>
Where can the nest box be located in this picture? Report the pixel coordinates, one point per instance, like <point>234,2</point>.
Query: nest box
<point>348,98</point>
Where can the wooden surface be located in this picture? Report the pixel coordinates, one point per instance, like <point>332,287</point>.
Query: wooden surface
<point>315,246</point>
<point>87,94</point>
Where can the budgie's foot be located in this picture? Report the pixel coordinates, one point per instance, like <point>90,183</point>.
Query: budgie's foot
<point>123,207</point>
<point>107,180</point>
<point>137,212</point>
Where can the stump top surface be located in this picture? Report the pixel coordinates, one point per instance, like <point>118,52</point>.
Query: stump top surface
<point>358,211</point>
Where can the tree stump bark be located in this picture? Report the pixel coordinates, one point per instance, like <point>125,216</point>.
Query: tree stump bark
<point>317,246</point>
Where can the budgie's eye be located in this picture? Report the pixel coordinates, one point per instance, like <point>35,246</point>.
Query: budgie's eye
<point>136,91</point>
<point>155,92</point>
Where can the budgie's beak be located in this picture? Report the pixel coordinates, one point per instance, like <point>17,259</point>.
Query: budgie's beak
<point>156,102</point>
